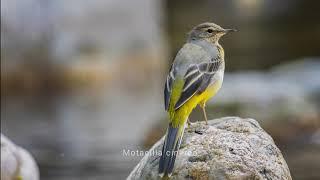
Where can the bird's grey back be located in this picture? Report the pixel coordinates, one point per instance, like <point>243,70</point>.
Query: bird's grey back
<point>194,52</point>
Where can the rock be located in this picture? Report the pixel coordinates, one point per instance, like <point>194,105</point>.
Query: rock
<point>16,163</point>
<point>228,148</point>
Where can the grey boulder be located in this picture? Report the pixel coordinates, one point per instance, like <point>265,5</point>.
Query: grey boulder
<point>16,162</point>
<point>226,148</point>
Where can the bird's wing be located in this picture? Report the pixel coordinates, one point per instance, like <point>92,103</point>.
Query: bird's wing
<point>168,87</point>
<point>197,79</point>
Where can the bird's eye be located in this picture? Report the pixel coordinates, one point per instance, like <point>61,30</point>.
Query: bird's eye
<point>210,30</point>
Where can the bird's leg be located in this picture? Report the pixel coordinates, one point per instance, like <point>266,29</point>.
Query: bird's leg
<point>203,107</point>
<point>188,121</point>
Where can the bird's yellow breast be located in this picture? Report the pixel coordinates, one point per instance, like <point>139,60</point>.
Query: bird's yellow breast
<point>181,115</point>
<point>210,92</point>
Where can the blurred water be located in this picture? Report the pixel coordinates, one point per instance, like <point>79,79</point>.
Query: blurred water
<point>51,46</point>
<point>81,136</point>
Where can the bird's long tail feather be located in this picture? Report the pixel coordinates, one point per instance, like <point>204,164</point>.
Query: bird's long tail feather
<point>169,150</point>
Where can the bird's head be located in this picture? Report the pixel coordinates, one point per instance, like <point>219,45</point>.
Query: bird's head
<point>208,31</point>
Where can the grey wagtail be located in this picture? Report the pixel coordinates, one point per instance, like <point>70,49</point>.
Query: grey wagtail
<point>195,76</point>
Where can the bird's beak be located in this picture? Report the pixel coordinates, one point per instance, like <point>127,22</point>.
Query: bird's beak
<point>229,30</point>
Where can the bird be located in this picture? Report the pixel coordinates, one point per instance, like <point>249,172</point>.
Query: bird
<point>195,76</point>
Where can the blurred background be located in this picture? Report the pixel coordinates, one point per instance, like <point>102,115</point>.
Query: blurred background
<point>83,80</point>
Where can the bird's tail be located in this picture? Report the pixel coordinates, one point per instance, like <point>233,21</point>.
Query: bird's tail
<point>169,150</point>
